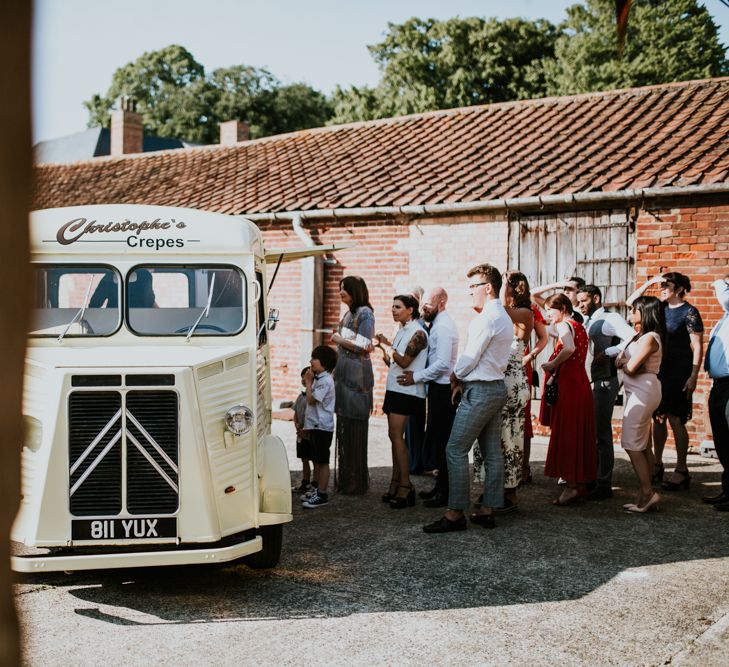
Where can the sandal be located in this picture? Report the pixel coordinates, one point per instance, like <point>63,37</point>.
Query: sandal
<point>387,497</point>
<point>401,502</point>
<point>572,500</point>
<point>677,486</point>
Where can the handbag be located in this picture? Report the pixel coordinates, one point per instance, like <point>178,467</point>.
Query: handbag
<point>551,390</point>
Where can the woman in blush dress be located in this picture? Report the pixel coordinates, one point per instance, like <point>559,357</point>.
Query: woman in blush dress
<point>641,361</point>
<point>682,356</point>
<point>353,380</point>
<point>572,454</point>
<point>408,350</point>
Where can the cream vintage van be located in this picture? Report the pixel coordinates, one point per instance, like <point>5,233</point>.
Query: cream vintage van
<point>147,401</point>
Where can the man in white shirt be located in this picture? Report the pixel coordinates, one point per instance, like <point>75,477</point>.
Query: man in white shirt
<point>442,356</point>
<point>609,333</point>
<point>479,378</point>
<point>716,364</point>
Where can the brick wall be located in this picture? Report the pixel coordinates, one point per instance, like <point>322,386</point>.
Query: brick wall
<point>695,242</point>
<point>391,256</point>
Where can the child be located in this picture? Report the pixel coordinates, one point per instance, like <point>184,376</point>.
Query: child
<point>319,420</point>
<point>302,439</point>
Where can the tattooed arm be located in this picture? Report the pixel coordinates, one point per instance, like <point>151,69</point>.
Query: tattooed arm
<point>417,344</point>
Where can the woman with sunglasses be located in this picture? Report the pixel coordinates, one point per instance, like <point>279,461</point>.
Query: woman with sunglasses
<point>682,356</point>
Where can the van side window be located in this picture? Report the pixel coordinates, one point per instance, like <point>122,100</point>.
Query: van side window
<point>261,312</point>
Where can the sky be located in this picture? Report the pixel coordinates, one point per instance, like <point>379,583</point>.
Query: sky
<point>79,43</point>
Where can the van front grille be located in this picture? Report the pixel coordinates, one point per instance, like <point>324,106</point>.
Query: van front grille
<point>151,419</point>
<point>95,453</point>
<point>108,464</point>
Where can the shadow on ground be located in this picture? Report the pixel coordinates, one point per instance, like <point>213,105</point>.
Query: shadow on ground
<point>357,555</point>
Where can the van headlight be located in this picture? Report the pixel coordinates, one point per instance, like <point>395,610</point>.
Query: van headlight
<point>239,420</point>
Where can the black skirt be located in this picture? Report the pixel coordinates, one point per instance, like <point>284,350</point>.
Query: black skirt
<point>401,404</point>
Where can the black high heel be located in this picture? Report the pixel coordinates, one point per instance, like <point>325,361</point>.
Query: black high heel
<point>387,497</point>
<point>657,476</point>
<point>401,502</point>
<point>677,486</point>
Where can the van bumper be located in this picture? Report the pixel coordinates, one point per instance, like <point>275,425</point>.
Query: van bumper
<point>65,562</point>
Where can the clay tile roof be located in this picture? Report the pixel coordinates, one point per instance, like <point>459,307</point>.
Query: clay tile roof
<point>669,135</point>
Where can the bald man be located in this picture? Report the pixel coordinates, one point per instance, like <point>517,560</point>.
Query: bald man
<point>442,356</point>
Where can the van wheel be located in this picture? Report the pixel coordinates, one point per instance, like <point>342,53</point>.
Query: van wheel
<point>268,556</point>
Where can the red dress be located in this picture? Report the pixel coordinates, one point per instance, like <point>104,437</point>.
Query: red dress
<point>572,453</point>
<point>528,430</point>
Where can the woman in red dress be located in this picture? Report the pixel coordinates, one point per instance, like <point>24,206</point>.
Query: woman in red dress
<point>572,453</point>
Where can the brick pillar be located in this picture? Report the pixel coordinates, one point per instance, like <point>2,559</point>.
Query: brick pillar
<point>126,129</point>
<point>233,131</point>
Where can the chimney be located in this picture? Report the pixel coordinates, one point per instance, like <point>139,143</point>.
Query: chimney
<point>233,131</point>
<point>126,128</point>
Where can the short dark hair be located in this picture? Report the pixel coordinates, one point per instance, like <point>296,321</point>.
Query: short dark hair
<point>356,287</point>
<point>326,355</point>
<point>490,273</point>
<point>652,315</point>
<point>592,290</point>
<point>679,280</point>
<point>305,370</point>
<point>559,302</point>
<point>409,301</point>
<point>579,282</point>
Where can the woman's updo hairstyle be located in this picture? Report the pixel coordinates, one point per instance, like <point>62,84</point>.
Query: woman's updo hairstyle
<point>560,302</point>
<point>679,280</point>
<point>520,289</point>
<point>409,301</point>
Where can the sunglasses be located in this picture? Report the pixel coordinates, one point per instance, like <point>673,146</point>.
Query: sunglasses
<point>475,285</point>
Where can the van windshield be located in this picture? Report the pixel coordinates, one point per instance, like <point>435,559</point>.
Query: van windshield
<point>173,300</point>
<point>75,301</point>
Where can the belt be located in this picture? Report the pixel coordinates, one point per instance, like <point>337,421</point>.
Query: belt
<point>721,380</point>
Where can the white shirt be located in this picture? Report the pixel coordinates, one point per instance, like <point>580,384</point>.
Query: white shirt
<point>489,345</point>
<point>717,358</point>
<point>613,325</point>
<point>320,415</point>
<point>442,351</point>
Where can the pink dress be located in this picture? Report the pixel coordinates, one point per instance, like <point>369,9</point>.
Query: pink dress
<point>572,453</point>
<point>642,398</point>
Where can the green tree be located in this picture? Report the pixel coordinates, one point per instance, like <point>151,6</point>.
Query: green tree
<point>177,99</point>
<point>427,64</point>
<point>157,80</point>
<point>666,41</point>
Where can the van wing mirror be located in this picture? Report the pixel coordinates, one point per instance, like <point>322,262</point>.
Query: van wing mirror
<point>272,318</point>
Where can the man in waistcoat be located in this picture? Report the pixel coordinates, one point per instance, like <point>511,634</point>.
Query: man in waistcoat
<point>608,333</point>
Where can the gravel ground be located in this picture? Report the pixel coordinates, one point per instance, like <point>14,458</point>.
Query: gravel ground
<point>360,584</point>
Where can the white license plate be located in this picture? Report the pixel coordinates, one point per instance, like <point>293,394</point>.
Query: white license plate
<point>138,528</point>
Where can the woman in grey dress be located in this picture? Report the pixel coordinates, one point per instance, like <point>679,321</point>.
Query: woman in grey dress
<point>354,380</point>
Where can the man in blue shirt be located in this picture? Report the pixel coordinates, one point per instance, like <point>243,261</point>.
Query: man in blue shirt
<point>717,365</point>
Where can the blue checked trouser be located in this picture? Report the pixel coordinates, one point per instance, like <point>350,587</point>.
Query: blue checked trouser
<point>478,418</point>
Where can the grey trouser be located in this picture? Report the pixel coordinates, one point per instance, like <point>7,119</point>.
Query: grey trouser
<point>604,393</point>
<point>478,418</point>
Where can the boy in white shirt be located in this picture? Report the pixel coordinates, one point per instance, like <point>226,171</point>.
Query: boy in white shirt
<point>319,419</point>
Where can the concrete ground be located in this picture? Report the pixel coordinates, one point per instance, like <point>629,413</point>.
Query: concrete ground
<point>361,584</point>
